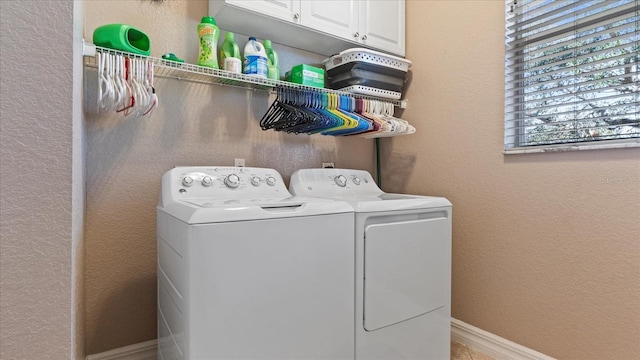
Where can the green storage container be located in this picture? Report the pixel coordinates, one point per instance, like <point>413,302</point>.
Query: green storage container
<point>122,37</point>
<point>306,75</point>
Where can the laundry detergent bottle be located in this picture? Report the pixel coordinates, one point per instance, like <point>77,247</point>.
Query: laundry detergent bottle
<point>255,59</point>
<point>208,33</point>
<point>273,68</point>
<point>229,49</point>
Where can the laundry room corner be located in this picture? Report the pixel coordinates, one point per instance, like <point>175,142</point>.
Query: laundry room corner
<point>194,124</point>
<point>216,179</point>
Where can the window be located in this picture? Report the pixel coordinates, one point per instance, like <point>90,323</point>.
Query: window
<point>572,80</point>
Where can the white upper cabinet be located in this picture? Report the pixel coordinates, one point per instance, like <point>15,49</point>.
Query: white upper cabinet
<point>279,9</point>
<point>337,18</point>
<point>382,25</point>
<point>321,26</point>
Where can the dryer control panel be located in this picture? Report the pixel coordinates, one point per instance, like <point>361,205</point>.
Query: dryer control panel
<point>217,182</point>
<point>327,181</point>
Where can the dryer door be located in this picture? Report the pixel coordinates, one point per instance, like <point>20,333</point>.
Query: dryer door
<point>405,264</point>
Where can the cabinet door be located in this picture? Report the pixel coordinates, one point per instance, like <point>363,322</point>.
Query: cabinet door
<point>338,18</point>
<point>287,10</point>
<point>382,25</point>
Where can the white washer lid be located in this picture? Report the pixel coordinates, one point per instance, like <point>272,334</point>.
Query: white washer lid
<point>214,194</point>
<point>205,211</point>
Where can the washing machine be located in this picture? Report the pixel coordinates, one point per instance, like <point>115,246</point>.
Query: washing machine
<point>246,271</point>
<point>403,264</point>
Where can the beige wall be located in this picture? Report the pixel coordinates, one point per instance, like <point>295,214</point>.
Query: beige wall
<point>195,124</point>
<point>546,247</point>
<point>41,201</point>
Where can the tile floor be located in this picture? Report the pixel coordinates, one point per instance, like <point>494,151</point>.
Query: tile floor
<point>461,352</point>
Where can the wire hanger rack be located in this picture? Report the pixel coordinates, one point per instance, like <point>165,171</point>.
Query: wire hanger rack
<point>299,111</point>
<point>199,74</point>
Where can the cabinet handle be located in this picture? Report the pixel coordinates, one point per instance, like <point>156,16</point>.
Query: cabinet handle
<point>364,37</point>
<point>356,35</point>
<point>296,16</point>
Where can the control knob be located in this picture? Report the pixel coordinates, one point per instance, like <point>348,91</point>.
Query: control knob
<point>187,181</point>
<point>271,181</point>
<point>340,180</point>
<point>207,181</point>
<point>356,180</point>
<point>232,181</point>
<point>255,181</point>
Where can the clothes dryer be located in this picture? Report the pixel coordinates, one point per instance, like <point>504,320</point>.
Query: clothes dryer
<point>403,264</point>
<point>246,271</point>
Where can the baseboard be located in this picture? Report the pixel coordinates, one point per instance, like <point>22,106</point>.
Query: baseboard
<point>461,332</point>
<point>490,344</point>
<point>141,351</point>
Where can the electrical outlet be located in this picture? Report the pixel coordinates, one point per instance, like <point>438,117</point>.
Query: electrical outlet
<point>329,165</point>
<point>239,162</point>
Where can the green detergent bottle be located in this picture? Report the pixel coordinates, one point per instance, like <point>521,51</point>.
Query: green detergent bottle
<point>229,49</point>
<point>208,33</point>
<point>273,67</point>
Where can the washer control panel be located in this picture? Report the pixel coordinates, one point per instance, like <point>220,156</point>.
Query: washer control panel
<point>210,182</point>
<point>328,181</point>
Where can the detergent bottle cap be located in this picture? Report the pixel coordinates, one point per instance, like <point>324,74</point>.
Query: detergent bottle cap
<point>267,43</point>
<point>208,20</point>
<point>229,36</point>
<point>252,38</point>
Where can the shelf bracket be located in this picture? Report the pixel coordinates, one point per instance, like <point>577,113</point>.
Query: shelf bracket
<point>88,49</point>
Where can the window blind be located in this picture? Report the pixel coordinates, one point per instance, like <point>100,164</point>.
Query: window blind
<point>571,79</point>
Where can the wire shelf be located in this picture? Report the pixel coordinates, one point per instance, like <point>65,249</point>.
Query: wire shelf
<point>200,74</point>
